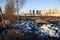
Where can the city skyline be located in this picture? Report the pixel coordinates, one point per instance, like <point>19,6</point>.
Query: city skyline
<point>36,5</point>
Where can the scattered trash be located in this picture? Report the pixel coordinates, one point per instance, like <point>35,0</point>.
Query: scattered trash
<point>29,28</point>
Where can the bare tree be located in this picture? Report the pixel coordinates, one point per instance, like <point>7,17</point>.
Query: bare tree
<point>12,7</point>
<point>9,10</point>
<point>19,5</point>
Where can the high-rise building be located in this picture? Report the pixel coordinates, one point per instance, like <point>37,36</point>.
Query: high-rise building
<point>53,12</point>
<point>30,12</point>
<point>38,12</point>
<point>33,12</point>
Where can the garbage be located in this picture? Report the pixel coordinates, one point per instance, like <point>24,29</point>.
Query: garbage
<point>4,32</point>
<point>30,29</point>
<point>51,31</point>
<point>42,35</point>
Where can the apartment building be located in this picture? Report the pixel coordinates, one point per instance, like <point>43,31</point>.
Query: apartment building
<point>54,12</point>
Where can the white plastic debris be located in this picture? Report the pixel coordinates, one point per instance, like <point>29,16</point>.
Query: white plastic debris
<point>51,31</point>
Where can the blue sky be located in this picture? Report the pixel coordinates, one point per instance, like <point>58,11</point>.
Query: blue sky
<point>36,5</point>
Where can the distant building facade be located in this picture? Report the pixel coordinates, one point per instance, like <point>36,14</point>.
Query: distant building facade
<point>55,12</point>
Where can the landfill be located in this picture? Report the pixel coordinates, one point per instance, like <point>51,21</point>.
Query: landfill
<point>26,30</point>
